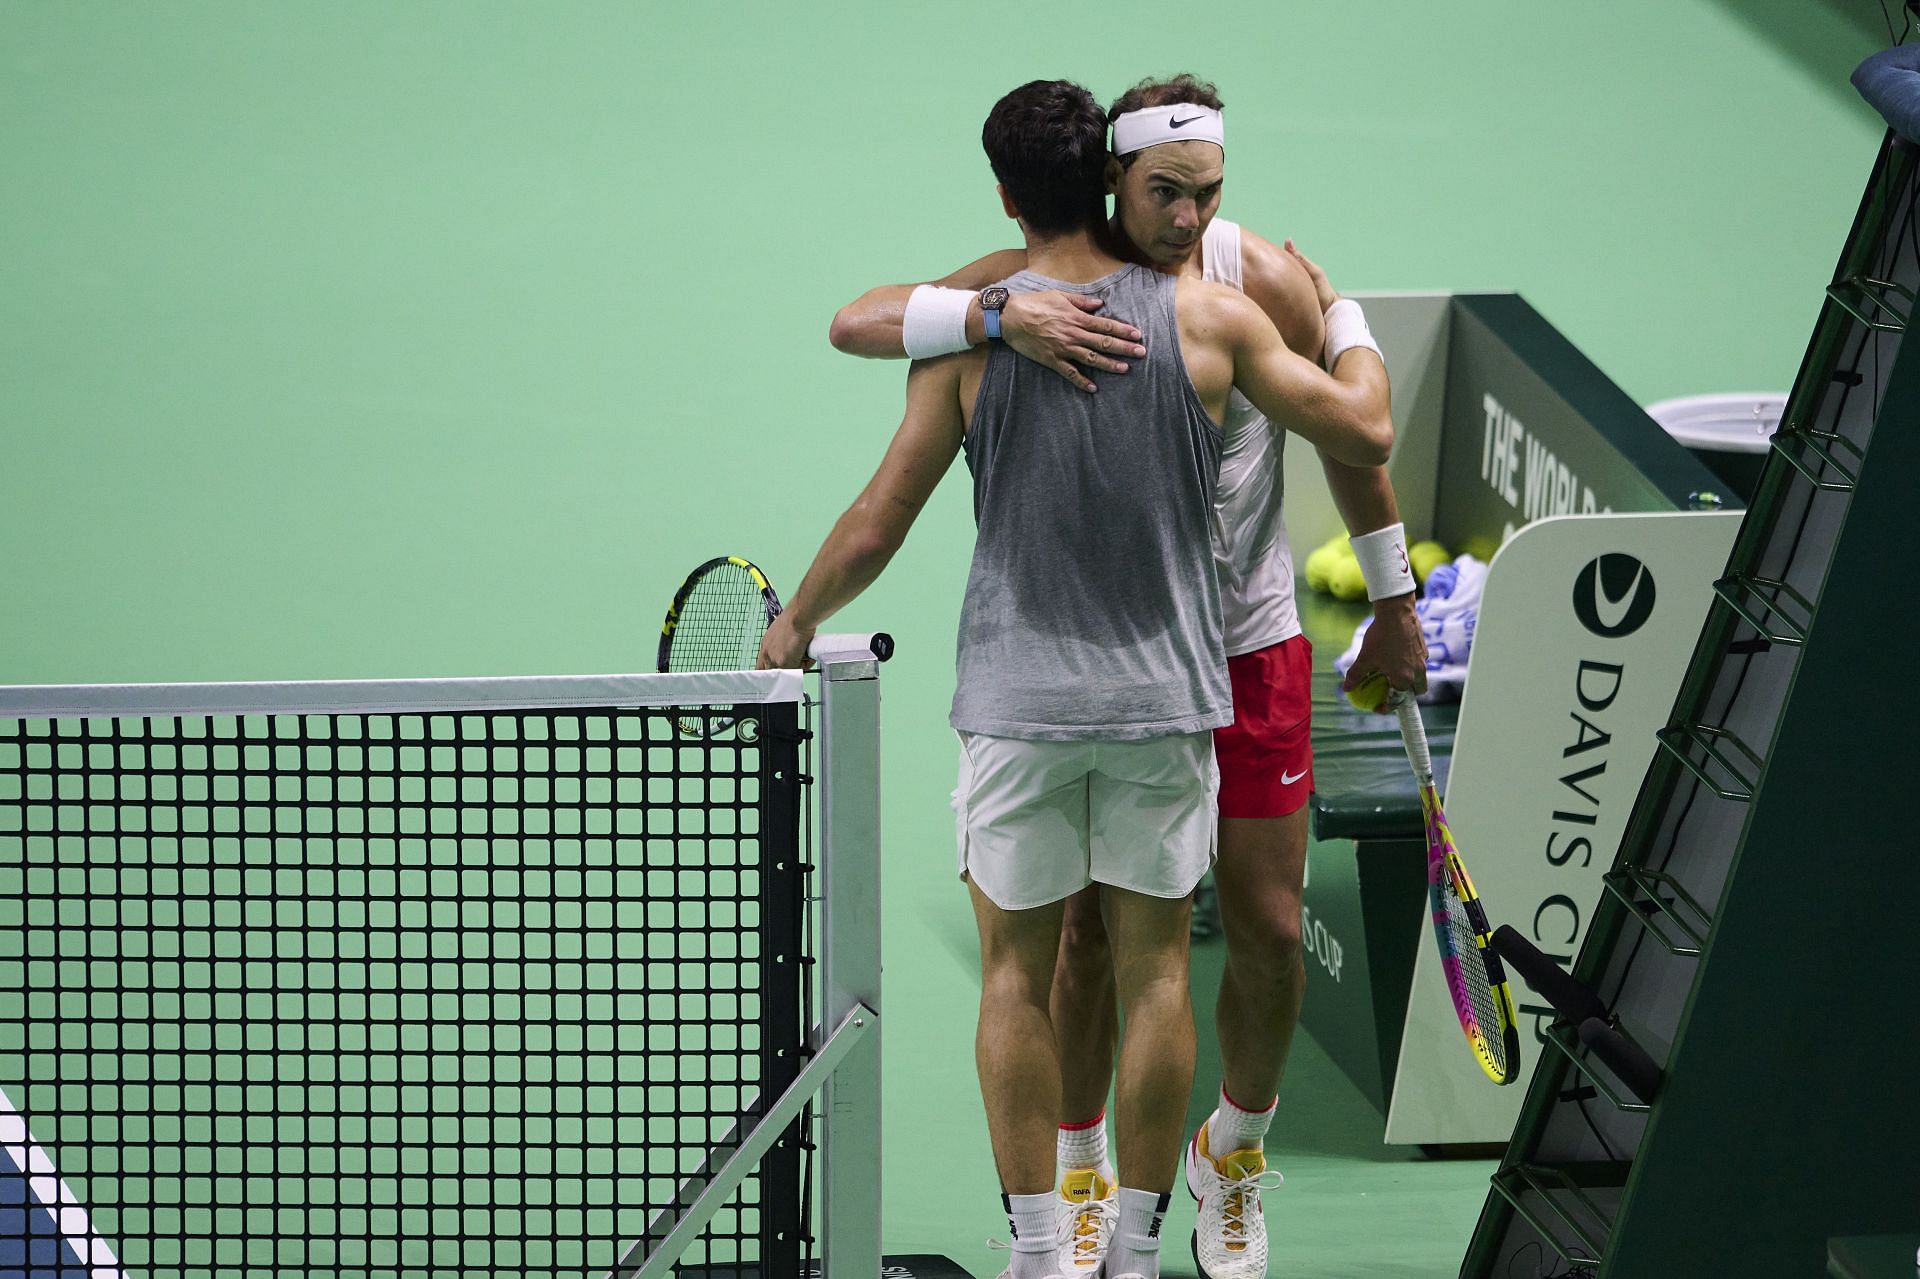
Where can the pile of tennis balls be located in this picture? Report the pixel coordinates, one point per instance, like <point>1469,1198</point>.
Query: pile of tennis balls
<point>1333,570</point>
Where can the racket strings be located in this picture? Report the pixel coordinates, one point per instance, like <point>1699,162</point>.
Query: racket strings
<point>1473,987</point>
<point>1473,967</point>
<point>720,624</point>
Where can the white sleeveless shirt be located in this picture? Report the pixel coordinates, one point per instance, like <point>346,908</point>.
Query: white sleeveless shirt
<point>1250,551</point>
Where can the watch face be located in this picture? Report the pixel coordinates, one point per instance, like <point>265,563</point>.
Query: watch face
<point>993,299</point>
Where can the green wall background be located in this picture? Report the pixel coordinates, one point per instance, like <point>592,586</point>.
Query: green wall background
<point>363,339</point>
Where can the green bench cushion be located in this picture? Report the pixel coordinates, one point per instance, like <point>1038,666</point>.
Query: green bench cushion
<point>1362,786</point>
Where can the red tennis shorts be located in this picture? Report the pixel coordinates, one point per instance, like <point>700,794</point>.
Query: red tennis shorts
<point>1266,754</point>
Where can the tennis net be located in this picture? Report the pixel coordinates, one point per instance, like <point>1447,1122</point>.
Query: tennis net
<point>391,979</point>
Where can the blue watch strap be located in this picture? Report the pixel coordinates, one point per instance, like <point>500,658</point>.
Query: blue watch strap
<point>991,316</point>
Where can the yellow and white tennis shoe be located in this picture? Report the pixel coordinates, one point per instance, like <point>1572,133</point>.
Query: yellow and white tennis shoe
<point>1230,1230</point>
<point>1089,1210</point>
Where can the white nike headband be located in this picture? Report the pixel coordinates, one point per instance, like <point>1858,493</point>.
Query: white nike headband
<point>1151,126</point>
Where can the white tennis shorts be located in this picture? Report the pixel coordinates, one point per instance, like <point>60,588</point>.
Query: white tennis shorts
<point>1039,821</point>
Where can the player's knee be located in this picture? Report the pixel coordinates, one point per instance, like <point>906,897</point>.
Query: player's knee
<point>1015,973</point>
<point>1285,936</point>
<point>1268,944</point>
<point>1010,983</point>
<point>1157,1000</point>
<point>1157,975</point>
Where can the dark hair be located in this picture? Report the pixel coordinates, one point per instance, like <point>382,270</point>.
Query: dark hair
<point>1184,89</point>
<point>1047,143</point>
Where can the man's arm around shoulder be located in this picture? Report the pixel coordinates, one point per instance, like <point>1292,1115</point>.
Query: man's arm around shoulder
<point>865,538</point>
<point>1051,328</point>
<point>871,324</point>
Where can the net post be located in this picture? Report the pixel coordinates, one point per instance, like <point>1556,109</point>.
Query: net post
<point>850,965</point>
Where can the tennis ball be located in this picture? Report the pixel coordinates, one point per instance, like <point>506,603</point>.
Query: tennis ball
<point>1481,548</point>
<point>1426,557</point>
<point>1369,693</point>
<point>1320,566</point>
<point>1347,582</point>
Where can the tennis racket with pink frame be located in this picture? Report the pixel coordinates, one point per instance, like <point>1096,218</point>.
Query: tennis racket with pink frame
<point>1475,977</point>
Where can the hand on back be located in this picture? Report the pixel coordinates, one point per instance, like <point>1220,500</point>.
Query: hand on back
<point>1320,285</point>
<point>1060,331</point>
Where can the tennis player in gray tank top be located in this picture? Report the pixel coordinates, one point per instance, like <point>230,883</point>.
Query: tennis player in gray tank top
<point>1166,178</point>
<point>1090,629</point>
<point>1091,608</point>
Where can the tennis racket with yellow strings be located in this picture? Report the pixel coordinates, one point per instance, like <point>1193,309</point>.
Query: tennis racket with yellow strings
<point>718,618</point>
<point>715,623</point>
<point>1476,979</point>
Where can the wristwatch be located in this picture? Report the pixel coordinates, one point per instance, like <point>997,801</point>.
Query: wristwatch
<point>991,302</point>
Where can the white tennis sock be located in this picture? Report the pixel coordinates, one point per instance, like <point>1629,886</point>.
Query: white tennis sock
<point>1232,1128</point>
<point>1136,1241</point>
<point>1082,1145</point>
<point>1030,1218</point>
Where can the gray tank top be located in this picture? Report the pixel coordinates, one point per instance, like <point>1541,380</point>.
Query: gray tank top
<point>1092,610</point>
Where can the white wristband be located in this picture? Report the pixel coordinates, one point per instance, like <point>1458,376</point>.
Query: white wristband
<point>936,321</point>
<point>1346,329</point>
<point>1383,561</point>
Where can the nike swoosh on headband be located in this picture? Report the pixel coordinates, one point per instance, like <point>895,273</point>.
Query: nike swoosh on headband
<point>1288,779</point>
<point>1175,124</point>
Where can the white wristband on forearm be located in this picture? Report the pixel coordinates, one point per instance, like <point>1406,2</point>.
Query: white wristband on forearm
<point>1346,329</point>
<point>936,321</point>
<point>1383,561</point>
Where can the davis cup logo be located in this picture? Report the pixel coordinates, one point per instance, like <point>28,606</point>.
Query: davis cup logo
<point>1613,595</point>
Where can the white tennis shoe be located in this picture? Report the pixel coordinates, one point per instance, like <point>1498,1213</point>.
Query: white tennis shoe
<point>1230,1230</point>
<point>1089,1210</point>
<point>998,1246</point>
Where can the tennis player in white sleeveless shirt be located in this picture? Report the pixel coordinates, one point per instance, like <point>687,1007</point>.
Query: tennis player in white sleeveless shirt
<point>1266,755</point>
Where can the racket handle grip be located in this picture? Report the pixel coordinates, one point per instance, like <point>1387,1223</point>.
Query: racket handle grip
<point>1413,733</point>
<point>868,645</point>
<point>1628,1061</point>
<point>1549,980</point>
